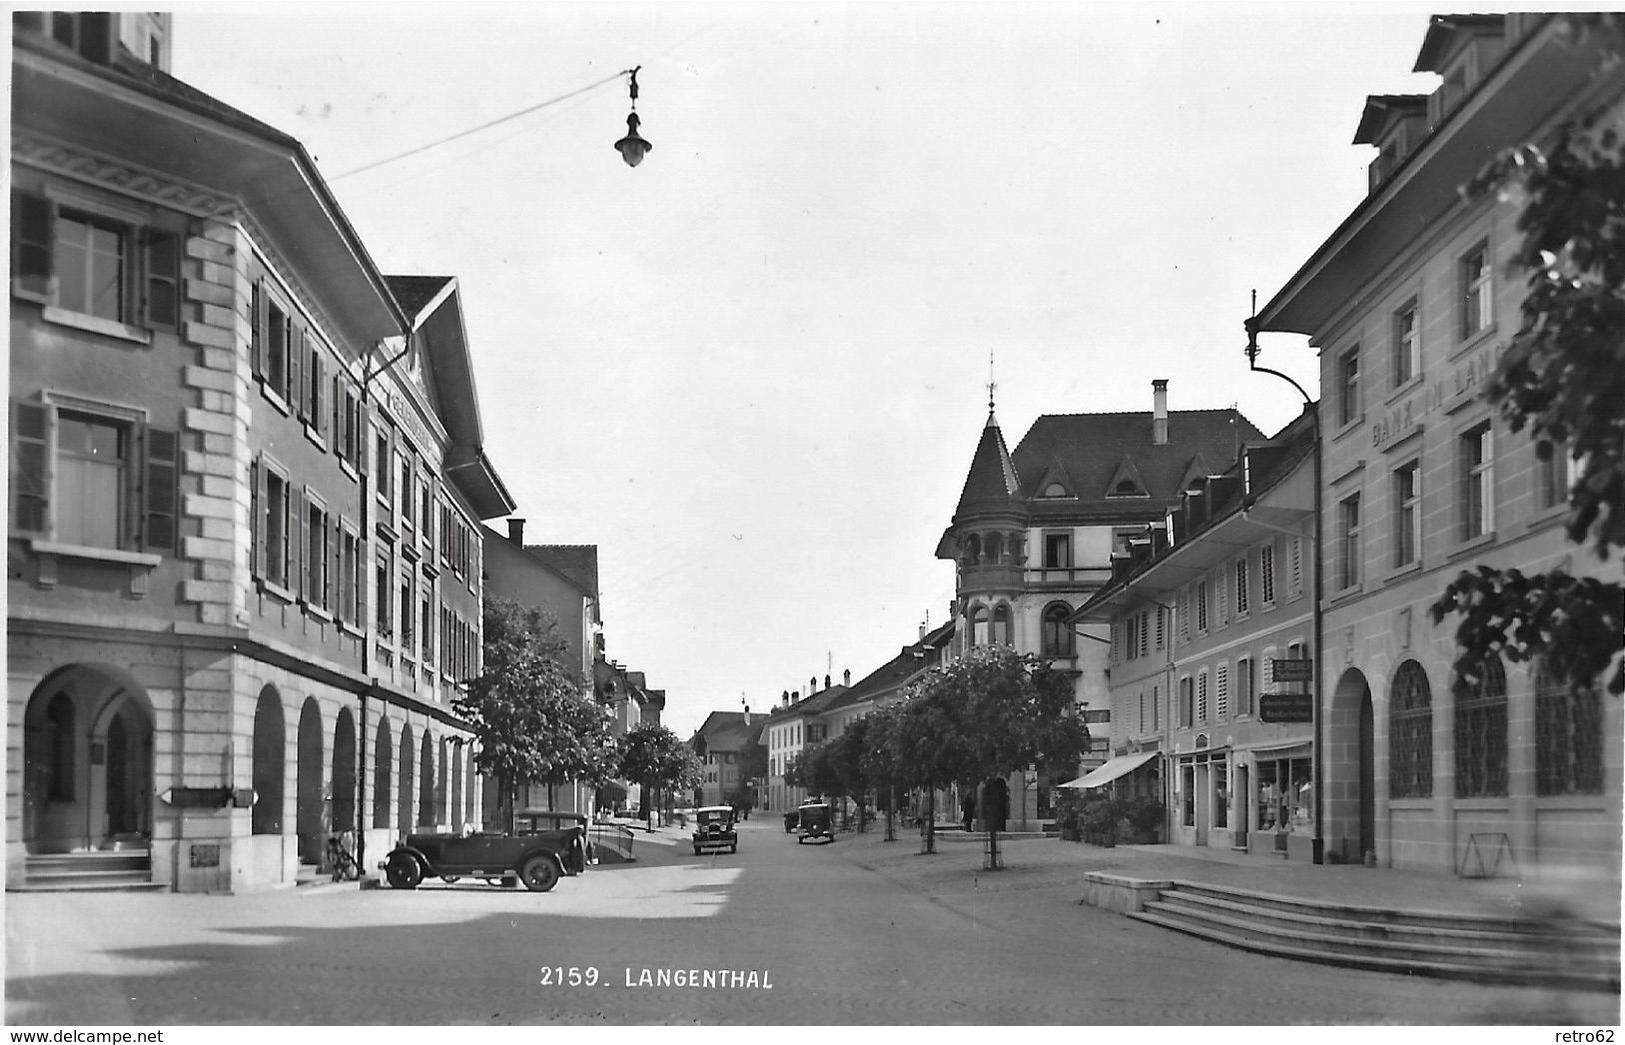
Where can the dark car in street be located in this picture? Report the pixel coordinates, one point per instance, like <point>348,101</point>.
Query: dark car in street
<point>714,829</point>
<point>815,823</point>
<point>544,847</point>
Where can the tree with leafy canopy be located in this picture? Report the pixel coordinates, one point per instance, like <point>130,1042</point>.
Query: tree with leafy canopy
<point>989,714</point>
<point>653,756</point>
<point>751,760</point>
<point>846,761</point>
<point>530,707</point>
<point>879,760</point>
<point>1564,379</point>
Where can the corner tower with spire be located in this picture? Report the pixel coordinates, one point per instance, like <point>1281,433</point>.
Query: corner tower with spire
<point>1034,532</point>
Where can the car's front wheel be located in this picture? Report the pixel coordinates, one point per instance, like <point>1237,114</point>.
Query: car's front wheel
<point>403,871</point>
<point>539,874</point>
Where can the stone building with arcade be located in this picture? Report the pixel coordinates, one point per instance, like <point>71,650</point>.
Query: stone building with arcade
<point>247,475</point>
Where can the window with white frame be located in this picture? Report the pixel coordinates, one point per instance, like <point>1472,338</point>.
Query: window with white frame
<point>1477,506</point>
<point>318,551</point>
<point>1348,541</point>
<point>352,581</point>
<point>384,579</point>
<point>1554,477</point>
<point>112,263</point>
<point>1407,513</point>
<point>1477,291</point>
<point>1407,344</point>
<point>273,544</point>
<point>1245,690</point>
<point>1349,407</point>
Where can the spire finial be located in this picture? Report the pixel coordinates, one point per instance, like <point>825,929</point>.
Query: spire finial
<point>991,384</point>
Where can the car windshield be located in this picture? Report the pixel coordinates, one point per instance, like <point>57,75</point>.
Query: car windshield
<point>713,816</point>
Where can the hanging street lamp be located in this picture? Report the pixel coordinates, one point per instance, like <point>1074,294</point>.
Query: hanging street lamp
<point>633,147</point>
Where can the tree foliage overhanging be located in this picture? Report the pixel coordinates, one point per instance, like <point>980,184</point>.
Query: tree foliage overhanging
<point>530,707</point>
<point>1564,379</point>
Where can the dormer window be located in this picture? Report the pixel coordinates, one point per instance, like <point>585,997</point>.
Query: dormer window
<point>1054,490</point>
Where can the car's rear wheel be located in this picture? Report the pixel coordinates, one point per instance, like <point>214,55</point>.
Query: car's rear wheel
<point>403,871</point>
<point>539,874</point>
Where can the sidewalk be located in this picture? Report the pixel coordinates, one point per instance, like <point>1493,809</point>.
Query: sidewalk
<point>1033,863</point>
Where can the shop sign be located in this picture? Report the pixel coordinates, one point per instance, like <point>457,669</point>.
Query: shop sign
<point>1286,707</point>
<point>1292,670</point>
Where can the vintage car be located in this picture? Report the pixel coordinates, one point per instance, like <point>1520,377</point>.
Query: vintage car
<point>714,829</point>
<point>544,847</point>
<point>815,823</point>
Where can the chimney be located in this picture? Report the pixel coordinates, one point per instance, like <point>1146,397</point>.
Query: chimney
<point>922,632</point>
<point>1159,411</point>
<point>516,531</point>
<point>846,677</point>
<point>812,685</point>
<point>795,698</point>
<point>826,681</point>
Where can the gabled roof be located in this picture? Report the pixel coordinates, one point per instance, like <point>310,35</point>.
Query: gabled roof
<point>1445,32</point>
<point>577,562</point>
<point>1093,448</point>
<point>1382,109</point>
<point>436,327</point>
<point>992,481</point>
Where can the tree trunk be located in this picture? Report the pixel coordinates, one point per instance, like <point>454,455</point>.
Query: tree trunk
<point>930,820</point>
<point>891,803</point>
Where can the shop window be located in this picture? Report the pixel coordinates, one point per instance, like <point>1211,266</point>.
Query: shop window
<point>1218,772</point>
<point>1481,732</point>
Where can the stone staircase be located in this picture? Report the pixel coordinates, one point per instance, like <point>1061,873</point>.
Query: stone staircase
<point>1553,951</point>
<point>92,870</point>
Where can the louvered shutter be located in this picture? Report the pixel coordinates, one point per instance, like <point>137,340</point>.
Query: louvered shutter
<point>363,573</point>
<point>31,244</point>
<point>336,390</point>
<point>260,317</point>
<point>319,388</point>
<point>159,483</point>
<point>161,251</point>
<point>335,562</point>
<point>294,393</point>
<point>300,533</point>
<point>30,476</point>
<point>256,512</point>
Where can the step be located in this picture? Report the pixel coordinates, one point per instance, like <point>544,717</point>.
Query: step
<point>1494,936</point>
<point>1542,976</point>
<point>1384,915</point>
<point>142,885</point>
<point>99,862</point>
<point>1491,953</point>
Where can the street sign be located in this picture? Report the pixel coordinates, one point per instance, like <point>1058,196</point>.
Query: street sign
<point>1293,670</point>
<point>1286,707</point>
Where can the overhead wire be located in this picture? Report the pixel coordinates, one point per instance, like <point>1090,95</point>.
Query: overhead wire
<point>484,126</point>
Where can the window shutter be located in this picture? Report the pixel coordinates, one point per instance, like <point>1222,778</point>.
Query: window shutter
<point>31,244</point>
<point>30,477</point>
<point>335,562</point>
<point>260,318</point>
<point>256,513</point>
<point>159,484</point>
<point>363,572</point>
<point>295,350</point>
<point>162,257</point>
<point>319,388</point>
<point>299,532</point>
<point>336,390</point>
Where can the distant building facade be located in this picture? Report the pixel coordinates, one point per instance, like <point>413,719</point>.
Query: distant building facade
<point>1033,536</point>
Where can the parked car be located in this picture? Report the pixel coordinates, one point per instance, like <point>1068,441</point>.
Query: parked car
<point>815,823</point>
<point>714,829</point>
<point>544,847</point>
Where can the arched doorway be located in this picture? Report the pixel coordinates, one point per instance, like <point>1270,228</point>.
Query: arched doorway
<point>383,768</point>
<point>344,779</point>
<point>1350,783</point>
<point>310,808</point>
<point>87,761</point>
<point>270,758</point>
<point>403,810</point>
<point>426,783</point>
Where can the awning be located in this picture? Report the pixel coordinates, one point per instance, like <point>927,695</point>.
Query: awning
<point>1119,766</point>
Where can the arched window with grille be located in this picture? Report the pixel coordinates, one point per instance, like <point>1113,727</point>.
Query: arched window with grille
<point>1410,734</point>
<point>1481,732</point>
<point>1568,737</point>
<point>1057,635</point>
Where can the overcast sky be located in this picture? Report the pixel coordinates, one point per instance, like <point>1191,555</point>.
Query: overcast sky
<point>752,370</point>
